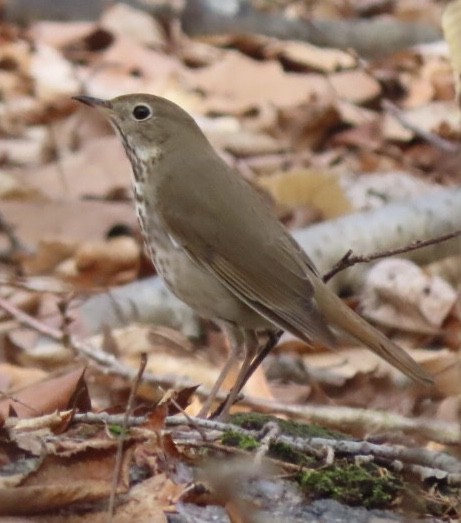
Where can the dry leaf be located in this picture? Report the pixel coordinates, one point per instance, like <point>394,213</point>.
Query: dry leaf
<point>55,393</point>
<point>319,58</point>
<point>318,188</point>
<point>398,294</point>
<point>52,74</point>
<point>60,34</point>
<point>137,25</point>
<point>451,22</point>
<point>436,117</point>
<point>259,83</point>
<point>114,261</point>
<point>94,170</point>
<point>62,225</point>
<point>355,86</point>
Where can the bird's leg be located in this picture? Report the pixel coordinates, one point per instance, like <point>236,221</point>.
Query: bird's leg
<point>251,347</point>
<point>273,339</point>
<point>235,339</point>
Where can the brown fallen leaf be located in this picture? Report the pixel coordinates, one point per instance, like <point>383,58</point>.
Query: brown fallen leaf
<point>259,83</point>
<point>56,393</point>
<point>303,54</point>
<point>318,188</point>
<point>355,86</point>
<point>111,262</point>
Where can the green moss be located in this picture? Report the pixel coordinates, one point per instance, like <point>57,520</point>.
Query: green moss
<point>234,439</point>
<point>256,421</point>
<point>365,485</point>
<point>277,450</point>
<point>117,430</point>
<point>284,452</point>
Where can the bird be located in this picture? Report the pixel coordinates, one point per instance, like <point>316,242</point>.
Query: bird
<point>219,246</point>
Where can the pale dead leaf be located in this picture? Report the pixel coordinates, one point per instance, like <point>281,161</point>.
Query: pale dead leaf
<point>114,261</point>
<point>22,299</point>
<point>52,74</point>
<point>135,339</point>
<point>445,367</point>
<point>13,377</point>
<point>259,83</point>
<point>130,68</point>
<point>94,170</point>
<point>12,84</point>
<point>449,409</point>
<point>437,71</point>
<point>47,256</point>
<point>348,362</point>
<point>33,147</point>
<point>60,34</point>
<point>17,54</point>
<point>248,143</point>
<point>451,19</point>
<point>355,86</point>
<point>392,129</point>
<point>321,59</point>
<point>354,114</point>
<point>12,189</point>
<point>87,478</point>
<point>437,117</point>
<point>308,125</point>
<point>66,223</point>
<point>16,111</point>
<point>137,25</point>
<point>419,91</point>
<point>398,294</point>
<point>55,393</point>
<point>318,188</point>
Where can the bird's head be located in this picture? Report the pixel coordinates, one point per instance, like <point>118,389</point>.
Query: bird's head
<point>144,121</point>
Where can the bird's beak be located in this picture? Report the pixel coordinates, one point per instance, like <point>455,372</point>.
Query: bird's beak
<point>98,103</point>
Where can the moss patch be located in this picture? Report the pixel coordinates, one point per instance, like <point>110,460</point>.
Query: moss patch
<point>234,439</point>
<point>361,485</point>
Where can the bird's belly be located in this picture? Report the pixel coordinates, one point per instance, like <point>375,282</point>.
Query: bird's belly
<point>204,292</point>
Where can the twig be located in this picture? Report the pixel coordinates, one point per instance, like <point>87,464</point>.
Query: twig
<point>121,440</point>
<point>108,419</point>
<point>342,418</point>
<point>350,259</point>
<point>429,137</point>
<point>106,362</point>
<point>35,284</point>
<point>271,433</point>
<point>349,418</point>
<point>437,461</point>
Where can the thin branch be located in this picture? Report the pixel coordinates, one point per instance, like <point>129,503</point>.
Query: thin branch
<point>121,439</point>
<point>440,462</point>
<point>106,362</point>
<point>422,461</point>
<point>349,259</point>
<point>428,136</point>
<point>341,418</point>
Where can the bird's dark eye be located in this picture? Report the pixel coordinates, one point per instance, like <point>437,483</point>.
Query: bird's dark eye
<point>142,112</point>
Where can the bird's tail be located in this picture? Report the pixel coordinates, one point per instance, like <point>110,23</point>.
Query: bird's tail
<point>339,314</point>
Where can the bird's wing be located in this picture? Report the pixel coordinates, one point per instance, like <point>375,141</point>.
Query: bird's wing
<point>226,227</point>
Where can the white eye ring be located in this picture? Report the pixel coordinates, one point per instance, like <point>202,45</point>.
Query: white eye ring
<point>141,112</point>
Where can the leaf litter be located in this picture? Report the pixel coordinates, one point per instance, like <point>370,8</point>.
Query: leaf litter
<point>309,128</point>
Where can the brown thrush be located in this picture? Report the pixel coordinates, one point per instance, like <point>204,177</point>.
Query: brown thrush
<point>218,245</point>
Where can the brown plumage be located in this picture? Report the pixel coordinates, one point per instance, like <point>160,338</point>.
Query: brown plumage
<point>218,245</point>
